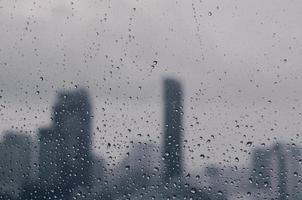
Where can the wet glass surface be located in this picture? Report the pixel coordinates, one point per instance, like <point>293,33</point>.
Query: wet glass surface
<point>137,99</point>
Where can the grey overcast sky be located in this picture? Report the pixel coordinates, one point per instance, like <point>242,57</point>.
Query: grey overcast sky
<point>239,62</point>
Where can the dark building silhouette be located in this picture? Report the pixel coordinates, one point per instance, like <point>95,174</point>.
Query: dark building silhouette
<point>278,150</point>
<point>15,163</point>
<point>261,175</point>
<point>65,155</point>
<point>276,171</point>
<point>173,185</point>
<point>172,129</point>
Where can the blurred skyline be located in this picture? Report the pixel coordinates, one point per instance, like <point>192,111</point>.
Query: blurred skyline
<point>61,163</point>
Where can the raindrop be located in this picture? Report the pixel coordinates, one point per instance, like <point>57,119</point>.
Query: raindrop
<point>248,144</point>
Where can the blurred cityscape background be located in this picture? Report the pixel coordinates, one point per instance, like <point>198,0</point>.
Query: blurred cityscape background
<point>62,165</point>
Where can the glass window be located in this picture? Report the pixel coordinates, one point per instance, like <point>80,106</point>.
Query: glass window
<point>150,99</point>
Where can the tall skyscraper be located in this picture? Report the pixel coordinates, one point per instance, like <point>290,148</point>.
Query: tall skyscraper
<point>275,172</point>
<point>279,152</point>
<point>172,129</point>
<point>65,157</point>
<point>261,175</point>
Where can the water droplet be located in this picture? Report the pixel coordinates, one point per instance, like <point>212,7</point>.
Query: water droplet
<point>248,144</point>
